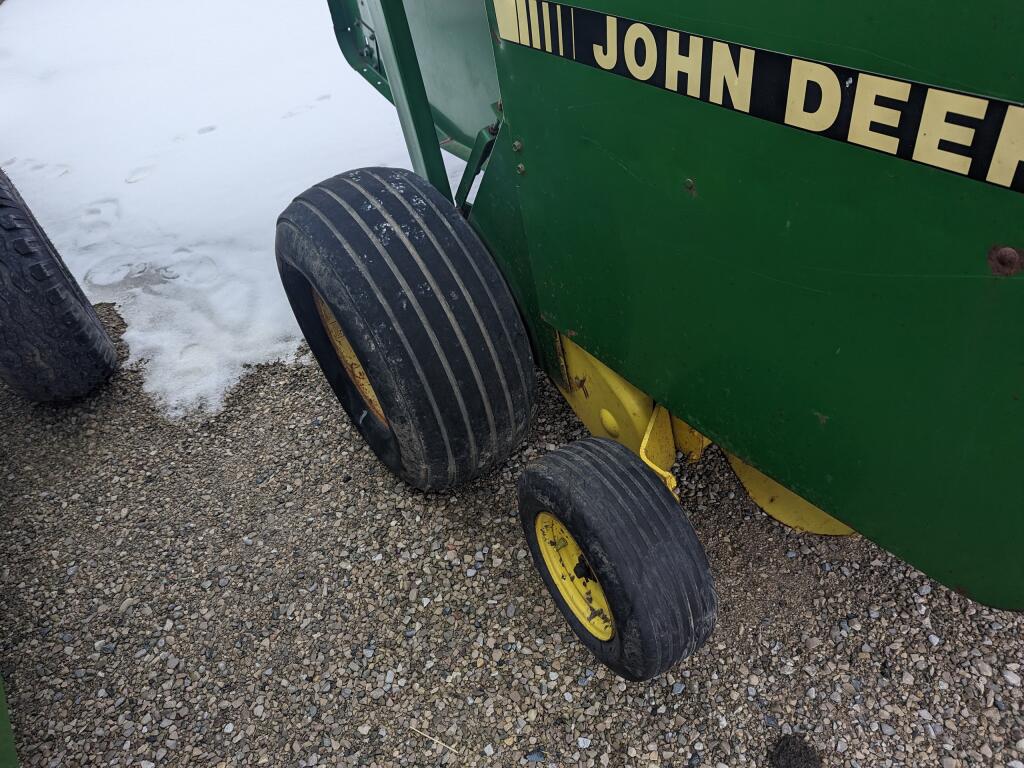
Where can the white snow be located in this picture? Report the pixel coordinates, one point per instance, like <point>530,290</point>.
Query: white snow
<point>157,142</point>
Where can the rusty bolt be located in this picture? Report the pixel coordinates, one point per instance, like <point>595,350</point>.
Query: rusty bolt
<point>520,169</point>
<point>517,146</point>
<point>1005,261</point>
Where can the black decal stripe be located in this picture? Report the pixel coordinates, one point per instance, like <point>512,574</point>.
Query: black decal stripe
<point>584,29</point>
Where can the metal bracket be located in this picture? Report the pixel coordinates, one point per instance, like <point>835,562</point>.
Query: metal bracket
<point>371,52</point>
<point>658,448</point>
<point>482,147</point>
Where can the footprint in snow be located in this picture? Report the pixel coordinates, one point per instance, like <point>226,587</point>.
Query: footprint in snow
<point>207,129</point>
<point>100,214</point>
<point>58,170</point>
<point>297,111</point>
<point>138,174</point>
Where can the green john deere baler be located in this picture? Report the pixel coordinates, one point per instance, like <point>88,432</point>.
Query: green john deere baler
<point>792,231</point>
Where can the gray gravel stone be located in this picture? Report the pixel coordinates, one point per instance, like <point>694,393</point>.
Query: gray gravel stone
<point>253,588</point>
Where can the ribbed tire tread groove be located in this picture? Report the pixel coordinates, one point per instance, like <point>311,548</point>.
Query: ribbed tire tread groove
<point>468,298</point>
<point>496,290</point>
<point>407,273</point>
<point>428,314</point>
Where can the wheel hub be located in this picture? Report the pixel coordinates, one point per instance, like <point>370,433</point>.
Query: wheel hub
<point>573,577</point>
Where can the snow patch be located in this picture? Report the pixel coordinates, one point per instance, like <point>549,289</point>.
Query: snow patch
<point>158,142</point>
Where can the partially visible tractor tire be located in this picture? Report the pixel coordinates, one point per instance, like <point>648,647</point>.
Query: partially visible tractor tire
<point>411,322</point>
<point>618,556</point>
<point>52,344</point>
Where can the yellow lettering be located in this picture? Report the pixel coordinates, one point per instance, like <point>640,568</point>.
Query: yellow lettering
<point>546,12</point>
<point>724,73</point>
<point>802,74</point>
<point>689,65</point>
<point>534,24</point>
<point>640,33</point>
<point>561,36</point>
<point>508,25</point>
<point>524,24</point>
<point>867,112</point>
<point>934,128</point>
<point>1009,149</point>
<point>608,56</point>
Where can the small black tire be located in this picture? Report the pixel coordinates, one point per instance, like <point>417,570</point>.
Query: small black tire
<point>638,546</point>
<point>377,263</point>
<point>52,345</point>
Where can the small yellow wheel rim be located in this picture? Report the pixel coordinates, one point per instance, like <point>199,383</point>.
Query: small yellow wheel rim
<point>573,577</point>
<point>347,356</point>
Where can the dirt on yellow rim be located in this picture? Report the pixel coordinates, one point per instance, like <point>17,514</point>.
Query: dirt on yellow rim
<point>347,356</point>
<point>571,573</point>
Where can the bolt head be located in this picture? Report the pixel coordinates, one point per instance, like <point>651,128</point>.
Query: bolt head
<point>1005,261</point>
<point>520,169</point>
<point>517,146</point>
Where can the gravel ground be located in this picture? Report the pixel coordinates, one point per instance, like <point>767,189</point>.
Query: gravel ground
<point>254,589</point>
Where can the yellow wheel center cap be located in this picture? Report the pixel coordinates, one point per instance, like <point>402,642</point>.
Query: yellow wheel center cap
<point>573,576</point>
<point>347,356</point>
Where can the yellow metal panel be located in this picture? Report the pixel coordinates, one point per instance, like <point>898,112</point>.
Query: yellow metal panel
<point>606,403</point>
<point>784,505</point>
<point>610,406</point>
<point>688,440</point>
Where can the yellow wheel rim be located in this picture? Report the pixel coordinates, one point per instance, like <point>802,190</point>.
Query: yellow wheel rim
<point>573,577</point>
<point>347,356</point>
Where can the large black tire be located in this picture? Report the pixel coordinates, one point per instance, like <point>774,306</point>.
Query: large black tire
<point>52,344</point>
<point>406,284</point>
<point>636,544</point>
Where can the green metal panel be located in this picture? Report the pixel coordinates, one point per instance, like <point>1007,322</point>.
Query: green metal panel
<point>8,756</point>
<point>824,311</point>
<point>457,70</point>
<point>398,56</point>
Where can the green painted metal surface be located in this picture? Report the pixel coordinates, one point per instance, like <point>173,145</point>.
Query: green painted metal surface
<point>459,76</point>
<point>825,311</point>
<point>8,756</point>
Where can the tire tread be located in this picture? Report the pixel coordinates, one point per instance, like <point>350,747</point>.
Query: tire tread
<point>429,308</point>
<point>659,571</point>
<point>52,344</point>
